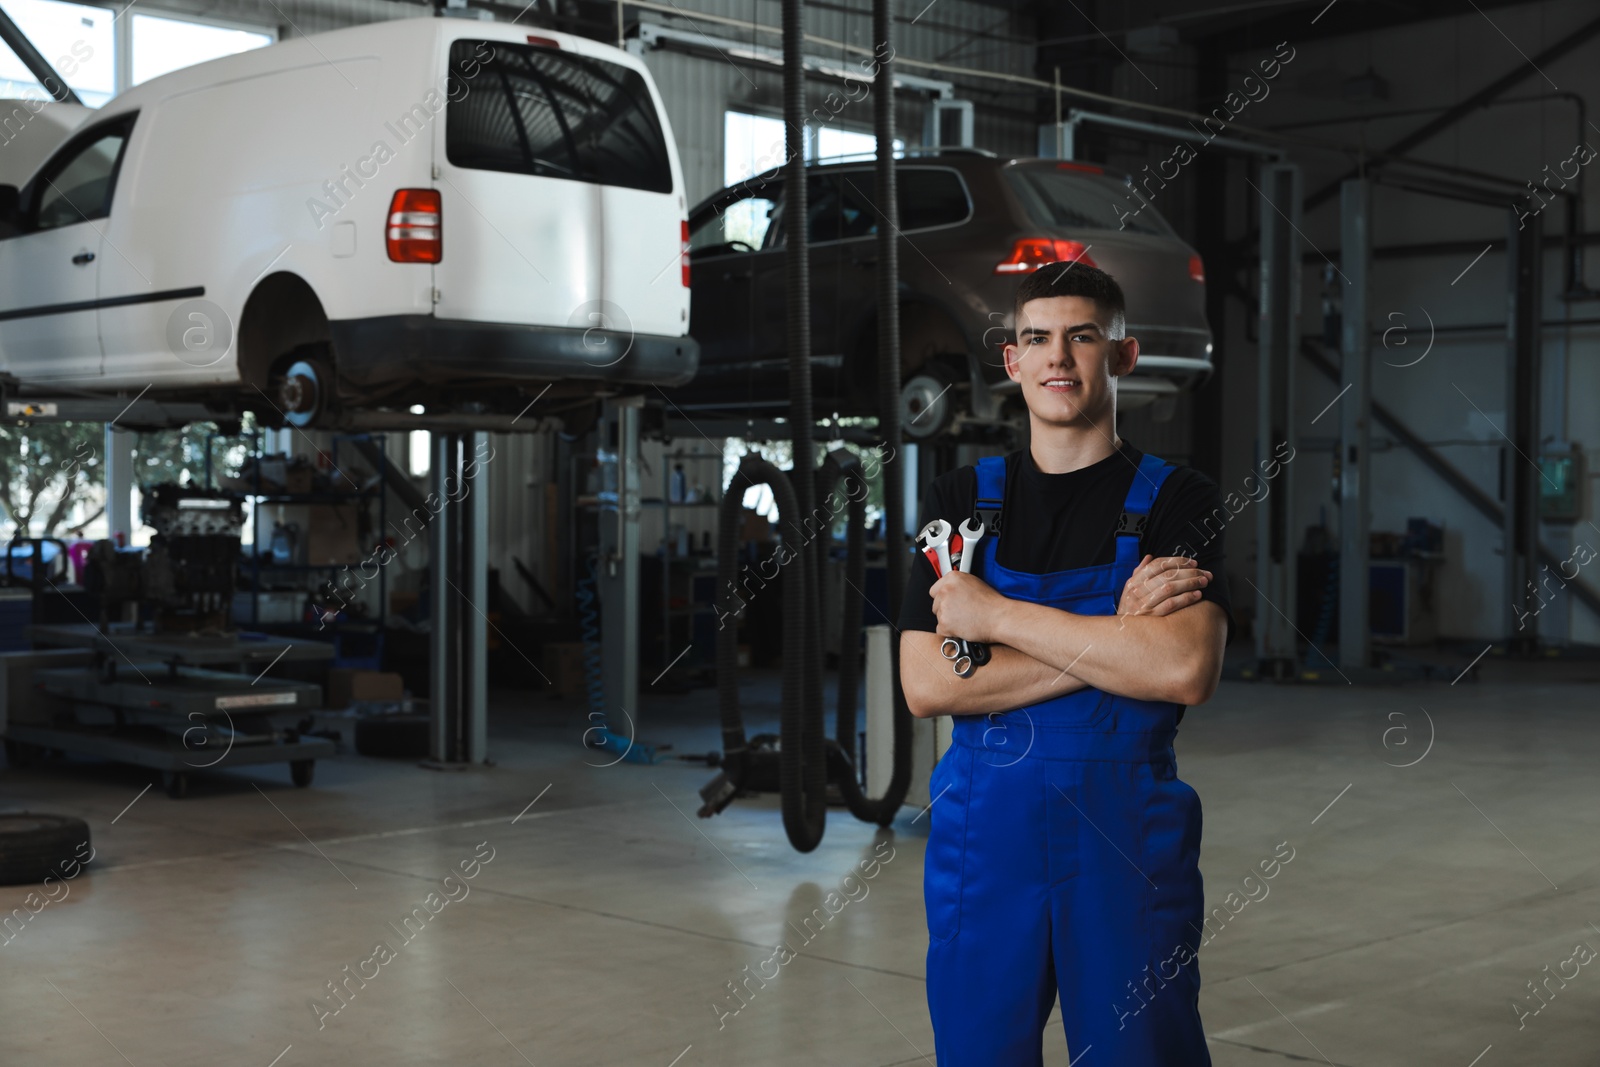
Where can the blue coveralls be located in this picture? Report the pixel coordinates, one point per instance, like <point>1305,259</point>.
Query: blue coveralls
<point>1064,852</point>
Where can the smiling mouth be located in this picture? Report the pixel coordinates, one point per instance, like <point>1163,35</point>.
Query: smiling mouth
<point>1060,385</point>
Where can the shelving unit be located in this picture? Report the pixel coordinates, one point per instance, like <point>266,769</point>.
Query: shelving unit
<point>317,498</point>
<point>680,566</point>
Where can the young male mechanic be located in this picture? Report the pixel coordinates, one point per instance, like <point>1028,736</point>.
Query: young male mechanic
<point>1064,851</point>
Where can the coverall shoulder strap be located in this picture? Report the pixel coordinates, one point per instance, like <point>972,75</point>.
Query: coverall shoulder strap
<point>991,472</point>
<point>1147,482</point>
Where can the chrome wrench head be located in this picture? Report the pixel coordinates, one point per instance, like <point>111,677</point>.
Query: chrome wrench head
<point>970,535</point>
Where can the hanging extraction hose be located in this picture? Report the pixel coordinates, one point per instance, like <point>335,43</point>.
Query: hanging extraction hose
<point>806,755</point>
<point>797,309</point>
<point>802,761</point>
<point>842,465</point>
<point>894,497</point>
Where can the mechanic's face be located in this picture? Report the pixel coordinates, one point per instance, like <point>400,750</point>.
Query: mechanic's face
<point>1066,361</point>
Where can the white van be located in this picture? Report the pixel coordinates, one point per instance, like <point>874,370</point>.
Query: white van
<point>417,211</point>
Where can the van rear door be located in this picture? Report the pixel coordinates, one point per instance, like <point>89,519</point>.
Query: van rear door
<point>559,194</point>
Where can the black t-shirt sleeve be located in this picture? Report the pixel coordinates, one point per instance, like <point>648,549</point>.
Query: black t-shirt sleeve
<point>946,500</point>
<point>1183,522</point>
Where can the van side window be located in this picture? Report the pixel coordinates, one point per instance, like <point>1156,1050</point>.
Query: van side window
<point>537,110</point>
<point>76,186</point>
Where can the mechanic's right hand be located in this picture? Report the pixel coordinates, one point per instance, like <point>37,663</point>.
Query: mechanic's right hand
<point>1160,586</point>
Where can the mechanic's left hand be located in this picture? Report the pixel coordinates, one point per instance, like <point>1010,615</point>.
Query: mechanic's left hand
<point>966,606</point>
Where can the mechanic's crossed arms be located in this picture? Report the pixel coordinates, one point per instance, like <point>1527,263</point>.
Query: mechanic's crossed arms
<point>968,607</point>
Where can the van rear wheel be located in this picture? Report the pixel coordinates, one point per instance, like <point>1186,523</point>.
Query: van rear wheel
<point>305,391</point>
<point>927,402</point>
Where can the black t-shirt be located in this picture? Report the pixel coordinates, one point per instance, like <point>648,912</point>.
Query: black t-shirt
<point>1057,522</point>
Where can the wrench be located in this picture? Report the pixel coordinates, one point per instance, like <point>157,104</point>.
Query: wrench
<point>935,538</point>
<point>970,536</point>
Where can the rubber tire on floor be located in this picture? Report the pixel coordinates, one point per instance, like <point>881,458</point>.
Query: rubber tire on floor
<point>394,736</point>
<point>34,846</point>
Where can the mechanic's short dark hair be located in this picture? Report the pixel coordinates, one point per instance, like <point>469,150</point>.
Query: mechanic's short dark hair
<point>1075,278</point>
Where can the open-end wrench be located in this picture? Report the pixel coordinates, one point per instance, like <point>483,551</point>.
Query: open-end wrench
<point>935,540</point>
<point>970,536</point>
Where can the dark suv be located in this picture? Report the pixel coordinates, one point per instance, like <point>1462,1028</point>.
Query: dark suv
<point>970,223</point>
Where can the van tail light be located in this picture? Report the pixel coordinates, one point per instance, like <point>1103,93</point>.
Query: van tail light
<point>1031,253</point>
<point>416,228</point>
<point>1197,269</point>
<point>683,240</point>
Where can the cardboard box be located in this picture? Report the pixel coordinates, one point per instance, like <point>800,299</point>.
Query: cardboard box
<point>346,686</point>
<point>332,535</point>
<point>563,665</point>
<point>298,478</point>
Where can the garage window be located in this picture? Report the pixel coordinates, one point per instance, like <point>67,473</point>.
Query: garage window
<point>163,45</point>
<point>534,110</point>
<point>76,39</point>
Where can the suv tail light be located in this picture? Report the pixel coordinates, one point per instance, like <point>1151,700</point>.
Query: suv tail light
<point>1031,253</point>
<point>1197,269</point>
<point>416,229</point>
<point>683,238</point>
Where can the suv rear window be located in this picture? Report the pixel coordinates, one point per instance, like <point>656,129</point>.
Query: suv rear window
<point>538,110</point>
<point>928,197</point>
<point>1083,201</point>
<point>840,205</point>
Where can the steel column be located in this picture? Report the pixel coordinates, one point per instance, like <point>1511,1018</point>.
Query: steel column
<point>1355,406</point>
<point>619,570</point>
<point>1520,524</point>
<point>459,593</point>
<point>119,485</point>
<point>1276,651</point>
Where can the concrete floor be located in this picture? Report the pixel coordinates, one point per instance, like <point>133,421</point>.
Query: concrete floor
<point>1419,901</point>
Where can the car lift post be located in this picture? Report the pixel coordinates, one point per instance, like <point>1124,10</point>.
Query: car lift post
<point>1276,652</point>
<point>119,485</point>
<point>458,561</point>
<point>619,568</point>
<point>1355,406</point>
<point>1524,251</point>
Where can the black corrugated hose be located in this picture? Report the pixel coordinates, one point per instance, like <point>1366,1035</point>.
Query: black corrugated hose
<point>894,499</point>
<point>842,465</point>
<point>805,752</point>
<point>805,835</point>
<point>802,770</point>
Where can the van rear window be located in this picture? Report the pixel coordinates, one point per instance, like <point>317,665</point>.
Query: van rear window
<point>536,110</point>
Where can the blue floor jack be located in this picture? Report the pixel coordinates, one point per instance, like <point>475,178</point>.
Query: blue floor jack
<point>599,735</point>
